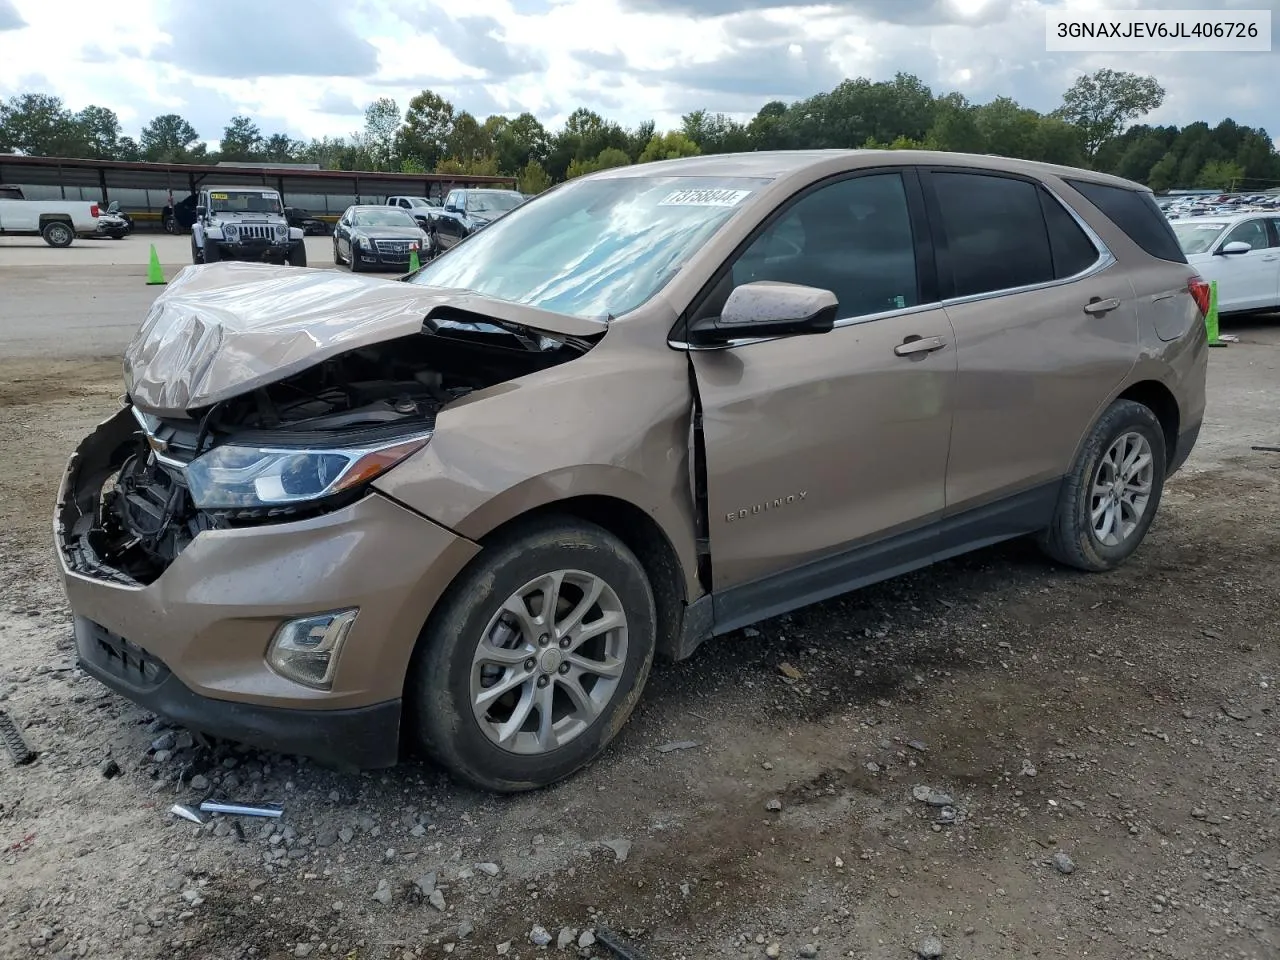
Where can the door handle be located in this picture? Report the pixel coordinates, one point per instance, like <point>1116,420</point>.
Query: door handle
<point>913,345</point>
<point>1098,307</point>
<point>1269,259</point>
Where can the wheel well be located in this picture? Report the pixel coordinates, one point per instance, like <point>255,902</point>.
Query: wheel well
<point>54,218</point>
<point>1157,398</point>
<point>642,535</point>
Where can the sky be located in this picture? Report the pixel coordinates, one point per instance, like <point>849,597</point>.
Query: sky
<point>630,60</point>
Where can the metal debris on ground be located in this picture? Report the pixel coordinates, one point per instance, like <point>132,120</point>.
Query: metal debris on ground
<point>619,946</point>
<point>242,809</point>
<point>18,749</point>
<point>1268,449</point>
<point>186,813</point>
<point>679,745</point>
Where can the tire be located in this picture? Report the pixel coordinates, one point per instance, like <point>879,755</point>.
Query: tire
<point>1073,538</point>
<point>196,256</point>
<point>444,675</point>
<point>337,256</point>
<point>210,252</point>
<point>354,262</point>
<point>298,255</point>
<point>58,233</point>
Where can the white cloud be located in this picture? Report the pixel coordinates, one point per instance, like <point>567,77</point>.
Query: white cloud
<point>631,60</point>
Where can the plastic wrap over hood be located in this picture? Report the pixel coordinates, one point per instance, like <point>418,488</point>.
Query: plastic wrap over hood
<point>223,329</point>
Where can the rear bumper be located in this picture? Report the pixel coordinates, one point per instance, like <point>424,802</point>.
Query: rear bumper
<point>356,738</point>
<point>1182,450</point>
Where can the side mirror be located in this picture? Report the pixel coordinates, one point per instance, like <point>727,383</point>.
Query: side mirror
<point>1235,247</point>
<point>769,309</point>
<point>200,210</point>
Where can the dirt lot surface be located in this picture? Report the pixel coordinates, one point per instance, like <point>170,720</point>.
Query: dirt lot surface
<point>1109,745</point>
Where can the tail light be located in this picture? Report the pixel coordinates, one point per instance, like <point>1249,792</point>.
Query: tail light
<point>93,210</point>
<point>1199,291</point>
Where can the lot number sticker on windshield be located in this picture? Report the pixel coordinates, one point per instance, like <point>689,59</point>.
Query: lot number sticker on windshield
<point>704,198</point>
<point>218,196</point>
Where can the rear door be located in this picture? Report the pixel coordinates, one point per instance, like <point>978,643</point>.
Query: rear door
<point>1045,327</point>
<point>1247,281</point>
<point>1275,250</point>
<point>815,444</point>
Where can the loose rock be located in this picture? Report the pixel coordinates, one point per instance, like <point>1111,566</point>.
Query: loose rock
<point>1064,863</point>
<point>587,939</point>
<point>774,805</point>
<point>930,948</point>
<point>436,899</point>
<point>565,940</point>
<point>539,937</point>
<point>621,849</point>
<point>934,798</point>
<point>199,782</point>
<point>490,869</point>
<point>383,893</point>
<point>808,951</point>
<point>109,769</point>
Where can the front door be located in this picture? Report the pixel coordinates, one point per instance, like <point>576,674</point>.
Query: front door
<point>1045,331</point>
<point>815,444</point>
<point>1247,281</point>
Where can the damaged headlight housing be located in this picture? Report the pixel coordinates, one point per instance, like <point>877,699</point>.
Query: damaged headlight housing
<point>241,477</point>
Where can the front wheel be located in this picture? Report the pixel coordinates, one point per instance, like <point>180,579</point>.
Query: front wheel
<point>298,255</point>
<point>1110,498</point>
<point>535,657</point>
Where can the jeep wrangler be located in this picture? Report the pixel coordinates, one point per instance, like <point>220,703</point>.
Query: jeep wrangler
<point>244,223</point>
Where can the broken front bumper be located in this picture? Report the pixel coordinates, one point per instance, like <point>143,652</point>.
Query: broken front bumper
<point>192,645</point>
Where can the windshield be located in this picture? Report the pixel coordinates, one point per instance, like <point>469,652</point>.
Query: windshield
<point>418,202</point>
<point>388,217</point>
<point>593,248</point>
<point>492,201</point>
<point>243,201</point>
<point>1197,236</point>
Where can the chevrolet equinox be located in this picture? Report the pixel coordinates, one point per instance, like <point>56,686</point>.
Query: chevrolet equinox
<point>462,511</point>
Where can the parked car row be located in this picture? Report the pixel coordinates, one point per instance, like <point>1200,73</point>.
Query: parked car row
<point>1177,208</point>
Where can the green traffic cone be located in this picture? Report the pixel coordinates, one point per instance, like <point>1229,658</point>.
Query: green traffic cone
<point>154,274</point>
<point>414,265</point>
<point>1211,318</point>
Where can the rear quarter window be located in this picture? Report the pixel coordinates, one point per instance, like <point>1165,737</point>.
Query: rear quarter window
<point>1135,212</point>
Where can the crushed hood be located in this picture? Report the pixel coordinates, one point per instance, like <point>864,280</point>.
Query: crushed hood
<point>223,329</point>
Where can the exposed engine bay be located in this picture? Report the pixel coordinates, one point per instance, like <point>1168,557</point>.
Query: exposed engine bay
<point>145,515</point>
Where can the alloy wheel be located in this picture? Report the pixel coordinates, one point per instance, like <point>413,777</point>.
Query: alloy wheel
<point>1121,489</point>
<point>549,662</point>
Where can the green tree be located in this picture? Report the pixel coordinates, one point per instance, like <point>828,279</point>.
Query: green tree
<point>468,140</point>
<point>955,126</point>
<point>533,179</point>
<point>1164,173</point>
<point>1220,175</point>
<point>475,167</point>
<point>99,131</point>
<point>280,148</point>
<point>519,141</point>
<point>639,138</point>
<point>170,139</point>
<point>428,124</point>
<point>381,124</point>
<point>38,125</point>
<point>1142,154</point>
<point>715,132</point>
<point>1103,103</point>
<point>241,140</point>
<point>669,146</point>
<point>768,129</point>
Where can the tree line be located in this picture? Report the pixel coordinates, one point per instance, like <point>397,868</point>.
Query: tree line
<point>1093,127</point>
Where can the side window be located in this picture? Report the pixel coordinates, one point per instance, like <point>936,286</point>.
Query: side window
<point>1252,232</point>
<point>1275,231</point>
<point>1135,212</point>
<point>1073,251</point>
<point>995,232</point>
<point>853,238</point>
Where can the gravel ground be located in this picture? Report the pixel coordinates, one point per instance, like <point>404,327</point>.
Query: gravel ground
<point>991,758</point>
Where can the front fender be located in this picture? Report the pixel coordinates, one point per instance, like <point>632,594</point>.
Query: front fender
<point>296,233</point>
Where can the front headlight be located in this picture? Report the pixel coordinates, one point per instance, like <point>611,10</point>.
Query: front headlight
<point>230,231</point>
<point>240,477</point>
<point>282,230</point>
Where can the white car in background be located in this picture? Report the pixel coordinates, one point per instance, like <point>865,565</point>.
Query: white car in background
<point>1241,252</point>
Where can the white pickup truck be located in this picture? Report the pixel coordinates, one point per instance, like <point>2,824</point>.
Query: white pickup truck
<point>58,221</point>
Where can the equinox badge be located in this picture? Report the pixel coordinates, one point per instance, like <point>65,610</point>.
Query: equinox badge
<point>775,504</point>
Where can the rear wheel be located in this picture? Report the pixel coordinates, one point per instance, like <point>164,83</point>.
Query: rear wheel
<point>1110,498</point>
<point>535,657</point>
<point>58,233</point>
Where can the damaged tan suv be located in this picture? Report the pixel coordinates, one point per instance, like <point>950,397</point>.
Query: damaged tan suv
<point>463,511</point>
